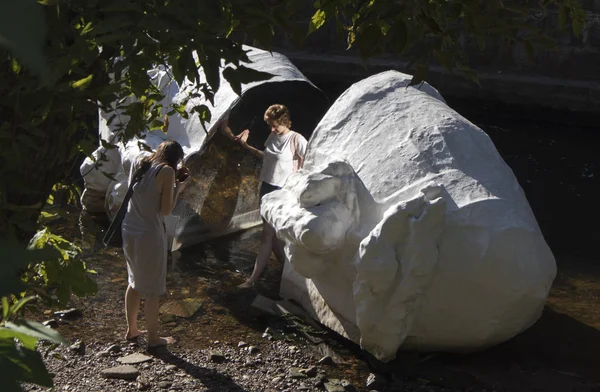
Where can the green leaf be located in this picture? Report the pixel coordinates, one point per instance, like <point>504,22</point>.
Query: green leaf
<point>317,21</point>
<point>35,329</point>
<point>27,341</point>
<point>15,259</point>
<point>22,31</point>
<point>21,364</point>
<point>5,308</point>
<point>84,83</point>
<point>233,79</point>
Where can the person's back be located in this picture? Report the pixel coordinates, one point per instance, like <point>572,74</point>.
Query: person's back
<point>143,211</point>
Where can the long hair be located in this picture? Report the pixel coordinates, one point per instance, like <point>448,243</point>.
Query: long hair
<point>279,113</point>
<point>168,152</point>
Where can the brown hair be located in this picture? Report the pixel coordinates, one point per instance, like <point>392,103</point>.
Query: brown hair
<point>279,113</point>
<point>168,152</point>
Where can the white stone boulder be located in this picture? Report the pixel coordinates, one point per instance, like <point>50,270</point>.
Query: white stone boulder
<point>406,229</point>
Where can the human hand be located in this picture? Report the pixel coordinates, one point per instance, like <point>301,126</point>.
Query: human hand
<point>183,173</point>
<point>243,136</point>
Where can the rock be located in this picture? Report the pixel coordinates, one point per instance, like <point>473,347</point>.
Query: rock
<point>376,381</point>
<point>443,171</point>
<point>165,384</point>
<point>310,372</point>
<point>170,368</point>
<point>184,308</point>
<point>326,360</point>
<point>249,363</point>
<point>124,372</point>
<point>51,323</point>
<point>143,384</point>
<point>296,373</point>
<point>78,347</point>
<point>115,348</point>
<point>134,359</point>
<point>253,350</point>
<point>276,380</point>
<point>69,314</point>
<point>334,385</point>
<point>216,356</point>
<point>242,344</point>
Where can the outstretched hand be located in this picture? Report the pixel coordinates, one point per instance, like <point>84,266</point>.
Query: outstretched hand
<point>182,175</point>
<point>243,136</point>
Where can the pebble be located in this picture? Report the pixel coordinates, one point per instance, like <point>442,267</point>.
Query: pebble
<point>242,344</point>
<point>134,359</point>
<point>375,381</point>
<point>170,367</point>
<point>165,384</point>
<point>78,347</point>
<point>253,349</point>
<point>276,380</point>
<point>296,373</point>
<point>124,372</point>
<point>216,356</point>
<point>311,371</point>
<point>327,360</point>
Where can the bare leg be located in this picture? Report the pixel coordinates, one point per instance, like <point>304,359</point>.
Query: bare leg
<point>264,252</point>
<point>151,312</point>
<point>278,249</point>
<point>132,307</point>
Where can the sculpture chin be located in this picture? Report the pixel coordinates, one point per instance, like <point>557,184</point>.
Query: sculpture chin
<point>406,229</point>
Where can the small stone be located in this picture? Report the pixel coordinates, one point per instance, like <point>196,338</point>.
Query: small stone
<point>165,384</point>
<point>253,349</point>
<point>311,371</point>
<point>143,384</point>
<point>216,342</point>
<point>115,348</point>
<point>249,363</point>
<point>296,373</point>
<point>52,323</point>
<point>125,372</point>
<point>242,344</point>
<point>276,380</point>
<point>69,314</point>
<point>78,347</point>
<point>216,356</point>
<point>334,385</point>
<point>134,359</point>
<point>327,360</point>
<point>170,368</point>
<point>376,381</point>
<point>47,312</point>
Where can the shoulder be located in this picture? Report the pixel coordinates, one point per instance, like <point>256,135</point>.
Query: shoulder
<point>165,173</point>
<point>299,138</point>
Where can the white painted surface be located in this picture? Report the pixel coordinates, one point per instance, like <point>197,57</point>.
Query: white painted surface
<point>188,132</point>
<point>407,229</point>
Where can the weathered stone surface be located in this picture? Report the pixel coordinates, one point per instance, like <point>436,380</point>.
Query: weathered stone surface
<point>402,199</point>
<point>216,356</point>
<point>185,308</point>
<point>134,359</point>
<point>125,372</point>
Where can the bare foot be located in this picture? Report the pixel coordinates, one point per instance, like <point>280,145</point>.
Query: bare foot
<point>133,335</point>
<point>161,342</point>
<point>246,285</point>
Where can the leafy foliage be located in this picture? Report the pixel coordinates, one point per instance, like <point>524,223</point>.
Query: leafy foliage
<point>430,30</point>
<point>19,360</point>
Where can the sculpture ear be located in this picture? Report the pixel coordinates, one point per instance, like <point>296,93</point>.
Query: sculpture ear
<point>396,264</point>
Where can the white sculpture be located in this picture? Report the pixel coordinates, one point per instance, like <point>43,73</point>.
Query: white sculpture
<point>406,228</point>
<point>107,195</point>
